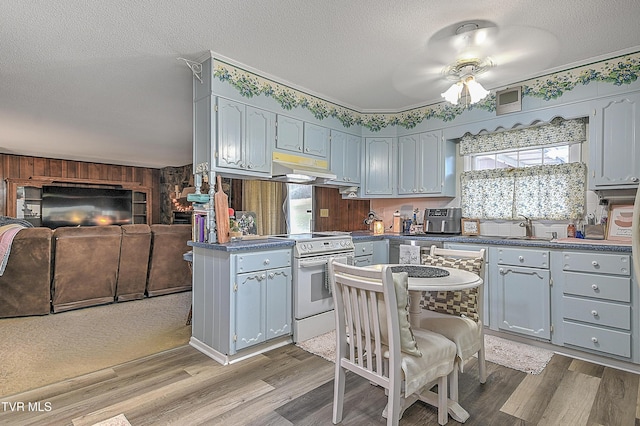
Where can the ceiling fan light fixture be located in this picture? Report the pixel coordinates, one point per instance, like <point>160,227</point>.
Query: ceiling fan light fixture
<point>464,72</point>
<point>453,93</point>
<point>476,91</point>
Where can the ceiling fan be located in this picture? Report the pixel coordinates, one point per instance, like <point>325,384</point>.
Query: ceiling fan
<point>463,51</point>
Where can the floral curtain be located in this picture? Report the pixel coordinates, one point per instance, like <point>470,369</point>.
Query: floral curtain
<point>547,192</point>
<point>266,200</point>
<point>555,132</point>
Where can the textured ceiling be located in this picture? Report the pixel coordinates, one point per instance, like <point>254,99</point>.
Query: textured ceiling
<point>100,80</point>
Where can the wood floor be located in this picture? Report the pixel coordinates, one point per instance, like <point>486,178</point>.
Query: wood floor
<point>289,386</point>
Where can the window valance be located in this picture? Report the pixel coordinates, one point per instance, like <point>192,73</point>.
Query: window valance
<point>557,131</point>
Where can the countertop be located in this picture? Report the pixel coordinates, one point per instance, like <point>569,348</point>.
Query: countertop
<point>363,236</point>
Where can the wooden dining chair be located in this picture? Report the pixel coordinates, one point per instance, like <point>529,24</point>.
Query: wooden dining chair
<point>374,340</point>
<point>457,315</point>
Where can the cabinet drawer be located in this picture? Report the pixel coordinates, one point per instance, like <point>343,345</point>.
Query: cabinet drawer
<point>601,286</point>
<point>363,260</point>
<point>263,260</point>
<point>362,249</point>
<point>598,339</point>
<point>523,257</point>
<point>597,312</point>
<point>600,263</point>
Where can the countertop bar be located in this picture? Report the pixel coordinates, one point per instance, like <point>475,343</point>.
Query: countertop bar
<point>362,236</point>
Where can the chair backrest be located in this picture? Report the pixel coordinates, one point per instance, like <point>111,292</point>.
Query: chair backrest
<point>357,294</point>
<point>472,299</point>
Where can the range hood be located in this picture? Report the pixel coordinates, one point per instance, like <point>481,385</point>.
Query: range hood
<point>297,169</point>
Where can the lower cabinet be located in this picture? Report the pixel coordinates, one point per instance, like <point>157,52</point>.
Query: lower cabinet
<point>262,302</point>
<point>371,253</point>
<point>595,310</point>
<point>241,301</point>
<point>522,291</point>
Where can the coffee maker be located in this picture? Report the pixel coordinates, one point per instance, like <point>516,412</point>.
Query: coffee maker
<point>442,221</point>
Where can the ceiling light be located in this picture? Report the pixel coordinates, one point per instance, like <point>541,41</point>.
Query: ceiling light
<point>464,71</point>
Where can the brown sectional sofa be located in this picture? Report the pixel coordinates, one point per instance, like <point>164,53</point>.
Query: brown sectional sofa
<point>75,267</point>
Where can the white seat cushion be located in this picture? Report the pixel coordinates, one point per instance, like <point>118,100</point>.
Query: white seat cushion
<point>464,332</point>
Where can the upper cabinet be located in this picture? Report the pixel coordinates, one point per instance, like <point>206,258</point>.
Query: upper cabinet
<point>378,169</point>
<point>245,137</point>
<point>345,157</point>
<point>426,165</point>
<point>615,143</point>
<point>304,138</point>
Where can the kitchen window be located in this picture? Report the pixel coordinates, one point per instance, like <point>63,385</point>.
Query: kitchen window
<point>535,172</point>
<point>299,206</point>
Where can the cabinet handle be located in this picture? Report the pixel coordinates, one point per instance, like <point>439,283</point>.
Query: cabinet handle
<point>299,148</point>
<point>595,263</point>
<point>594,339</point>
<point>263,277</point>
<point>594,287</point>
<point>271,275</point>
<point>306,150</point>
<point>521,258</point>
<point>502,272</point>
<point>266,261</point>
<point>634,179</point>
<point>594,313</point>
<point>250,166</point>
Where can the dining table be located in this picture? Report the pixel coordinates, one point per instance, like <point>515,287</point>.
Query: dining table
<point>435,278</point>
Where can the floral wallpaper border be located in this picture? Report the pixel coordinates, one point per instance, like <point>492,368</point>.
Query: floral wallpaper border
<point>616,71</point>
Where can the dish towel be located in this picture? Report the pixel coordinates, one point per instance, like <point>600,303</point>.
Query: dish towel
<point>409,255</point>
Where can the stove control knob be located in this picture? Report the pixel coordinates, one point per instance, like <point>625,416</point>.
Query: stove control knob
<point>342,243</point>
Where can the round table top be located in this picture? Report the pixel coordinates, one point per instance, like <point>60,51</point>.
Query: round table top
<point>458,279</point>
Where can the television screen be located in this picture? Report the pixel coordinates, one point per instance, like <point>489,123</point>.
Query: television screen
<point>73,206</point>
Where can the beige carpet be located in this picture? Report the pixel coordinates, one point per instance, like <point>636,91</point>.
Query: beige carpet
<point>41,350</point>
<point>518,356</point>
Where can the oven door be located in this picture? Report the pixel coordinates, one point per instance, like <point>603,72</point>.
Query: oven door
<point>312,290</point>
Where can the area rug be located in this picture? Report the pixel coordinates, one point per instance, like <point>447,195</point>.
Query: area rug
<point>41,350</point>
<point>119,420</point>
<point>517,356</point>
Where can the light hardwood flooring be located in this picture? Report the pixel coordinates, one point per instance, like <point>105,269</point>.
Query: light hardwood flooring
<point>289,386</point>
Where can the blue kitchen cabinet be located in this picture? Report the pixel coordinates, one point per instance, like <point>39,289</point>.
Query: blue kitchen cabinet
<point>426,165</point>
<point>379,170</point>
<point>316,140</point>
<point>262,306</point>
<point>301,137</point>
<point>522,291</point>
<point>290,135</point>
<point>261,298</point>
<point>345,157</point>
<point>614,132</point>
<point>246,137</point>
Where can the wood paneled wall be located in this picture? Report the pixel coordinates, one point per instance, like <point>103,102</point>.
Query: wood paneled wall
<point>24,167</point>
<point>344,214</point>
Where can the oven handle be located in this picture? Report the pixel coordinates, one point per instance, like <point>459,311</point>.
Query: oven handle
<point>313,263</point>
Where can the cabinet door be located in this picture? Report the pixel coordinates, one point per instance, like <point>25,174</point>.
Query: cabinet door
<point>260,137</point>
<point>378,166</point>
<point>337,158</point>
<point>249,310</point>
<point>290,134</point>
<point>352,157</point>
<point>278,303</point>
<point>430,160</point>
<point>408,147</point>
<point>231,118</point>
<point>615,149</point>
<point>316,140</point>
<point>524,301</point>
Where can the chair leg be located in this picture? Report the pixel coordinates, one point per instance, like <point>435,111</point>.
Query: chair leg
<point>453,381</point>
<point>482,365</point>
<point>443,400</point>
<point>338,394</point>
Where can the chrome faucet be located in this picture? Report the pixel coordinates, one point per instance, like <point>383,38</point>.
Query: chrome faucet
<point>527,225</point>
